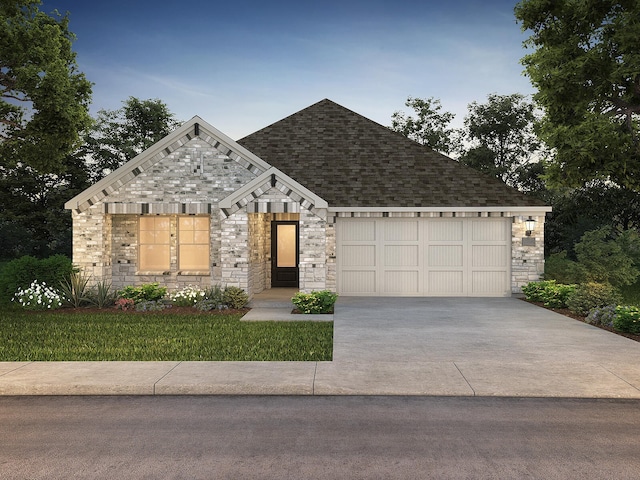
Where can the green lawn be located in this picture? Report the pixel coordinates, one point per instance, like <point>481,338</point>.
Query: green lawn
<point>73,336</point>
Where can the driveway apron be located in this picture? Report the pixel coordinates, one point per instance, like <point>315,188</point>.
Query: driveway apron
<point>473,346</point>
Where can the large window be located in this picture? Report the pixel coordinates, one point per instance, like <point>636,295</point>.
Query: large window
<point>155,242</point>
<point>193,243</point>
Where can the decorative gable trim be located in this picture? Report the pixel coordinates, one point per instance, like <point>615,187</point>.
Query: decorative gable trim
<point>272,178</point>
<point>196,127</point>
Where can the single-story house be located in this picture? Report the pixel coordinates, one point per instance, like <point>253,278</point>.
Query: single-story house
<point>323,199</point>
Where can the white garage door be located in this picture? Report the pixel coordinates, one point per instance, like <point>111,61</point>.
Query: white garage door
<point>424,256</point>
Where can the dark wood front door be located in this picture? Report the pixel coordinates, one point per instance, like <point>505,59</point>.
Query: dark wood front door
<point>284,254</point>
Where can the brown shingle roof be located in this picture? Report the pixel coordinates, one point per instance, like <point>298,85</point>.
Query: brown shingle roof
<point>352,161</point>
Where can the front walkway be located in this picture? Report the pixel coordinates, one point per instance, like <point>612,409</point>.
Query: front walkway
<point>387,346</point>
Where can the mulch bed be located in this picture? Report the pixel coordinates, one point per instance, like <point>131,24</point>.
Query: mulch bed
<point>567,313</point>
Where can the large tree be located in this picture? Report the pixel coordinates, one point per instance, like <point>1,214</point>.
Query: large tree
<point>500,140</point>
<point>429,127</point>
<point>586,67</point>
<point>119,135</point>
<point>44,99</point>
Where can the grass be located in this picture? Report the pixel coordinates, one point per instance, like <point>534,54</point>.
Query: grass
<point>65,335</point>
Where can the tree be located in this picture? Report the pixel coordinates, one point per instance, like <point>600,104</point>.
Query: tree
<point>586,67</point>
<point>43,98</point>
<point>430,127</point>
<point>119,135</point>
<point>502,141</point>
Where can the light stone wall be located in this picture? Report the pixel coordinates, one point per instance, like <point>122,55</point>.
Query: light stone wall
<point>527,262</point>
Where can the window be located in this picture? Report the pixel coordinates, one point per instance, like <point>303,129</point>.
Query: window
<point>155,240</point>
<point>193,247</point>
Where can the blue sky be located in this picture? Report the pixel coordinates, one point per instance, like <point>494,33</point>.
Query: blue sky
<point>242,65</point>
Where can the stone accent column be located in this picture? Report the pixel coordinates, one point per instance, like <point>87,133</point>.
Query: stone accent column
<point>527,253</point>
<point>92,243</point>
<point>235,251</point>
<point>313,251</point>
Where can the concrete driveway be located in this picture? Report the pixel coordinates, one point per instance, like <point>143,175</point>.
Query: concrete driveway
<point>474,346</point>
<point>385,346</point>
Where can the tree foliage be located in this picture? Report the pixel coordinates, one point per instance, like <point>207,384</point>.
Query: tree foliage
<point>119,135</point>
<point>430,127</point>
<point>502,141</point>
<point>586,67</point>
<point>44,99</point>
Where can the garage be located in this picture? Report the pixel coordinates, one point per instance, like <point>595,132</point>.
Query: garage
<point>424,256</point>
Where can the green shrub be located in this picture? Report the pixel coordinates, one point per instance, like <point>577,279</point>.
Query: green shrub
<point>602,316</point>
<point>101,294</point>
<point>561,269</point>
<point>608,257</point>
<point>627,319</point>
<point>588,296</point>
<point>150,306</point>
<point>315,302</point>
<point>213,299</point>
<point>74,289</point>
<point>235,297</point>
<point>21,272</point>
<point>147,292</point>
<point>550,293</point>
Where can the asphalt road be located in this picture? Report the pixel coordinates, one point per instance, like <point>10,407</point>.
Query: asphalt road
<point>318,437</point>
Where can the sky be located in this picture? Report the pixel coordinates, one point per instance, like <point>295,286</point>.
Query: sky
<point>242,65</point>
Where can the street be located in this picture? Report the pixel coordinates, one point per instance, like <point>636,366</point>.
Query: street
<point>240,437</point>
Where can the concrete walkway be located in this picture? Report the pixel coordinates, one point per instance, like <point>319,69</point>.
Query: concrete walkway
<point>385,346</point>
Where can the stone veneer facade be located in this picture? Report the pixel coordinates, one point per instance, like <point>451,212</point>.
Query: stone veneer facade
<point>192,178</point>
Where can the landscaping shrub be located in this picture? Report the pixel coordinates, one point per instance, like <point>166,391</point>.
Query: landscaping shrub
<point>561,269</point>
<point>627,319</point>
<point>21,272</point>
<point>602,316</point>
<point>235,297</point>
<point>74,289</point>
<point>38,296</point>
<point>188,296</point>
<point>608,257</point>
<point>140,293</point>
<point>315,302</point>
<point>150,306</point>
<point>588,296</point>
<point>125,304</point>
<point>101,294</point>
<point>550,293</point>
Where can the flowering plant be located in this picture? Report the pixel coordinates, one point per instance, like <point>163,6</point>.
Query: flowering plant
<point>125,304</point>
<point>38,297</point>
<point>188,296</point>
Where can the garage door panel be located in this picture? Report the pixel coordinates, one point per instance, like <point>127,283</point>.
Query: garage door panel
<point>489,255</point>
<point>401,231</point>
<point>359,231</point>
<point>358,282</point>
<point>446,282</point>
<point>488,283</point>
<point>487,230</point>
<point>401,282</point>
<point>359,255</point>
<point>446,255</point>
<point>448,231</point>
<point>401,255</point>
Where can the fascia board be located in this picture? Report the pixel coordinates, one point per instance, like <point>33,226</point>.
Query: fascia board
<point>511,209</point>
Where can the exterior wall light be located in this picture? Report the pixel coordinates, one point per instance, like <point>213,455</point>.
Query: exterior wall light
<point>530,225</point>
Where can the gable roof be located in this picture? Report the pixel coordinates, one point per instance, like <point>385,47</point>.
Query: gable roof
<point>196,127</point>
<point>351,161</point>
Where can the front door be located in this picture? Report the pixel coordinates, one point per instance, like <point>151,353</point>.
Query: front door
<point>284,254</point>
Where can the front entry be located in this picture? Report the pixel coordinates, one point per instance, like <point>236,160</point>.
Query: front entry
<point>284,254</point>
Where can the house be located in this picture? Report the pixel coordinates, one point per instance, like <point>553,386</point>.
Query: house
<point>323,199</point>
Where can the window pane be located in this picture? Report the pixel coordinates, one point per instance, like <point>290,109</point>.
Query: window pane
<point>154,257</point>
<point>286,246</point>
<point>194,257</point>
